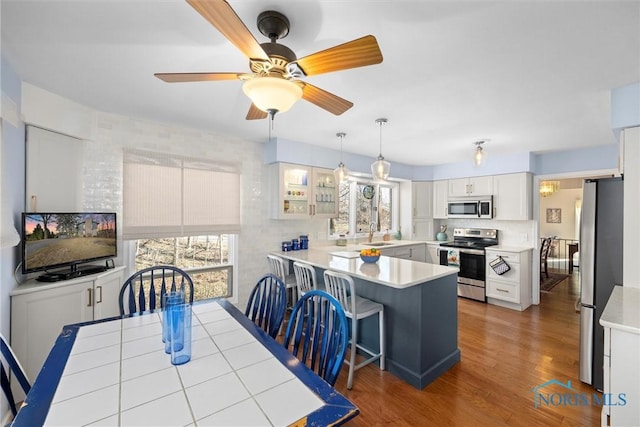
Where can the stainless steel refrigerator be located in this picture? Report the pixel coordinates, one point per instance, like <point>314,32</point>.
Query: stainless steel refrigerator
<point>600,268</point>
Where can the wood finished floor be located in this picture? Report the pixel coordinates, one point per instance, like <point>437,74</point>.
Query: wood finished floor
<point>505,354</point>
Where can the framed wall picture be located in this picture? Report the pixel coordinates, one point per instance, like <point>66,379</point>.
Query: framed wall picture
<point>554,215</point>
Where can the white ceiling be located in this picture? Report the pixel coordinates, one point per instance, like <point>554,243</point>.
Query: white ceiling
<point>527,75</point>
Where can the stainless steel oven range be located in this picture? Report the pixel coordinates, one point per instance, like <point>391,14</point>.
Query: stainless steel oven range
<point>466,252</point>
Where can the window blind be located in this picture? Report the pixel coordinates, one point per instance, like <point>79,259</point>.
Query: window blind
<point>166,195</point>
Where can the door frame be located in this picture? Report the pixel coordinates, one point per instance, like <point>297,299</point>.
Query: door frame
<point>535,271</point>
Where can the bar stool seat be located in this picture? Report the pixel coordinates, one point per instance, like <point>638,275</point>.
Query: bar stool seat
<point>342,288</point>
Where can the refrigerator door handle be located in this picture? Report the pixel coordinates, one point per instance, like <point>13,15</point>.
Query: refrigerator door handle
<point>586,344</point>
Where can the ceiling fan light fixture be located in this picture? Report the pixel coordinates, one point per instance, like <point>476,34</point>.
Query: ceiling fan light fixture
<point>341,173</point>
<point>272,93</point>
<point>380,168</point>
<point>479,156</point>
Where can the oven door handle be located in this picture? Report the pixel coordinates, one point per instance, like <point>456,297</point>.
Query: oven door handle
<point>471,251</point>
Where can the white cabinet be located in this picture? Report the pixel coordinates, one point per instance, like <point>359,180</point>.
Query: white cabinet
<point>417,252</point>
<point>621,323</point>
<point>476,186</point>
<point>631,249</point>
<point>433,253</point>
<point>513,288</point>
<point>39,311</point>
<point>422,211</point>
<point>621,376</point>
<point>440,199</point>
<point>422,199</point>
<point>301,191</point>
<point>422,229</point>
<point>50,187</point>
<point>512,196</point>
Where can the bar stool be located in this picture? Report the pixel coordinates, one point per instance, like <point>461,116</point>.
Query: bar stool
<point>305,277</point>
<point>279,268</point>
<point>342,288</point>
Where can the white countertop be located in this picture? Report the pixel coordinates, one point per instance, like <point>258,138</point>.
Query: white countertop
<point>394,272</point>
<point>622,311</point>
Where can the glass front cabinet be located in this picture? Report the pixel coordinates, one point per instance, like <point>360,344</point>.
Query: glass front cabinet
<point>303,191</point>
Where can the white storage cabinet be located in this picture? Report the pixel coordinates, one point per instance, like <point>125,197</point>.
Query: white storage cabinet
<point>513,288</point>
<point>39,311</point>
<point>440,199</point>
<point>302,191</point>
<point>475,186</point>
<point>422,210</point>
<point>512,196</point>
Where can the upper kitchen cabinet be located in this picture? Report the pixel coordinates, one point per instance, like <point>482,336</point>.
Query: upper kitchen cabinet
<point>440,197</point>
<point>53,171</point>
<point>476,186</point>
<point>512,196</point>
<point>422,199</point>
<point>302,191</point>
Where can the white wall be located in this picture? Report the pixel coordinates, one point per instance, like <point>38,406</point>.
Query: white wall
<point>102,180</point>
<point>566,201</point>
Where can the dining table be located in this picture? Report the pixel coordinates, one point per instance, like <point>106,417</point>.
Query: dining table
<point>116,372</point>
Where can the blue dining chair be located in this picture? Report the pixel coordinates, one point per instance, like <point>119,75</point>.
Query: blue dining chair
<point>267,304</point>
<point>17,373</point>
<point>145,288</point>
<point>317,334</point>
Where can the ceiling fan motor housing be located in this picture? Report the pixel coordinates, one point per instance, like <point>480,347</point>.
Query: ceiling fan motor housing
<point>273,24</point>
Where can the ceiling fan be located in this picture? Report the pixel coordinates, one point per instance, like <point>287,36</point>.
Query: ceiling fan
<point>273,85</point>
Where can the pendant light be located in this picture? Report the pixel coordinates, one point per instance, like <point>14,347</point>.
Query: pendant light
<point>380,168</point>
<point>341,173</point>
<point>479,156</point>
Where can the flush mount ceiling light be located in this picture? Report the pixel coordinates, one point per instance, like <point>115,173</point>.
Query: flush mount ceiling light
<point>479,156</point>
<point>547,188</point>
<point>380,168</point>
<point>341,173</point>
<point>272,94</point>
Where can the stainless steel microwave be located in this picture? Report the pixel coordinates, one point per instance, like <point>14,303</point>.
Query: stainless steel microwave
<point>470,207</point>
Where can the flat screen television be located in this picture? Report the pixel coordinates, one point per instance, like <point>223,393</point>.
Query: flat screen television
<point>59,242</point>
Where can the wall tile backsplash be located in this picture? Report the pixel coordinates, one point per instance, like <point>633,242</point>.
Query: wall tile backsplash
<point>510,233</point>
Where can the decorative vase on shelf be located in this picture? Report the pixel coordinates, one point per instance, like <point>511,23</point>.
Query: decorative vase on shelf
<point>442,236</point>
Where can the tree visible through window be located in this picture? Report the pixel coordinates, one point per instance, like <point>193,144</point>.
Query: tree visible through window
<point>357,211</point>
<point>205,258</point>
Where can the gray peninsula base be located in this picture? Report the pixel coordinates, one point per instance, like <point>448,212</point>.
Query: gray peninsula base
<point>421,327</point>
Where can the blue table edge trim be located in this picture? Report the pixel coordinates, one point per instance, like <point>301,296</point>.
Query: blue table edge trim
<point>37,403</point>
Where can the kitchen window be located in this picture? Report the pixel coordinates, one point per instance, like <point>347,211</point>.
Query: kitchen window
<point>207,259</point>
<point>183,212</point>
<point>362,203</point>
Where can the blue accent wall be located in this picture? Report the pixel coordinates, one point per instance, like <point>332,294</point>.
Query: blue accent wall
<point>625,107</point>
<point>602,157</point>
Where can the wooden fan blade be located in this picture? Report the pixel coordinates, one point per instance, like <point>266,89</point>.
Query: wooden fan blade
<point>356,53</point>
<point>225,19</point>
<point>255,113</point>
<point>197,77</point>
<point>323,99</point>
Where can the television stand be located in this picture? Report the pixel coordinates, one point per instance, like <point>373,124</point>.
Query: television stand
<point>72,274</point>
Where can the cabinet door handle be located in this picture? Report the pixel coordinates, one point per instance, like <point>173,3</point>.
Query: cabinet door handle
<point>410,253</point>
<point>100,288</point>
<point>90,292</point>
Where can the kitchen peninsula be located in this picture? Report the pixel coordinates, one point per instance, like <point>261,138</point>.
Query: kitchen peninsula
<point>421,308</point>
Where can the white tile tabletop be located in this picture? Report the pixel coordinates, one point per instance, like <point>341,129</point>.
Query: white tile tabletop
<point>117,373</point>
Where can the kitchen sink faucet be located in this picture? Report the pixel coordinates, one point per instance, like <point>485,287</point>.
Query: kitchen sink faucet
<point>372,229</point>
